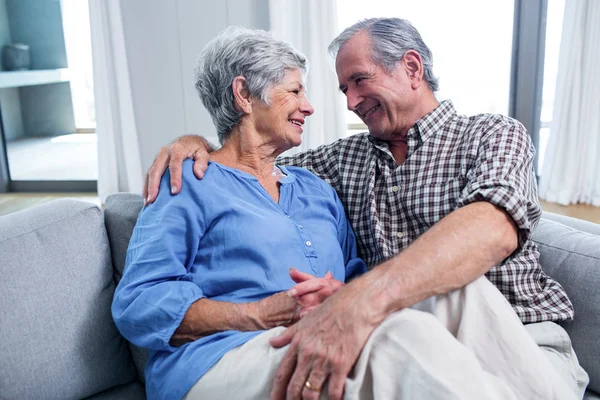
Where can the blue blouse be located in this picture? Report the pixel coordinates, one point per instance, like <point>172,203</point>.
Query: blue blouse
<point>222,238</point>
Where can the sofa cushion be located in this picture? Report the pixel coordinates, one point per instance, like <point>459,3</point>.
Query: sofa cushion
<point>591,396</point>
<point>572,257</point>
<point>579,224</point>
<point>120,215</point>
<point>57,336</point>
<point>129,391</point>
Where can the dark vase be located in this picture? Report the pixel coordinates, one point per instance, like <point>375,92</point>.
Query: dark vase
<point>15,57</point>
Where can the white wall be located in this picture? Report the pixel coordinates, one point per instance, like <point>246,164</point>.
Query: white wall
<point>163,39</point>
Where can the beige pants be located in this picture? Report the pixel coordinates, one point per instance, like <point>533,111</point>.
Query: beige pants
<point>467,344</point>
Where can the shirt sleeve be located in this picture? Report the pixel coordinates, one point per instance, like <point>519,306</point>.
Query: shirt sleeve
<point>155,292</point>
<point>503,174</point>
<point>322,161</point>
<point>355,266</point>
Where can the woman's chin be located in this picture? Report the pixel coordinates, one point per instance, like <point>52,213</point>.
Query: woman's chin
<point>294,141</point>
<point>297,143</point>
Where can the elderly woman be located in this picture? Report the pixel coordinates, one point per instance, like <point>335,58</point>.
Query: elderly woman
<point>238,253</point>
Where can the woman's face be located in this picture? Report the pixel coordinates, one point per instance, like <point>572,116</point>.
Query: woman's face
<point>281,122</point>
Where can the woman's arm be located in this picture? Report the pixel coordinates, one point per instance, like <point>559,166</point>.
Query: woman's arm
<point>355,266</point>
<point>205,317</point>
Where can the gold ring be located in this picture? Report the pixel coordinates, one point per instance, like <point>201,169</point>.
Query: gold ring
<point>311,387</point>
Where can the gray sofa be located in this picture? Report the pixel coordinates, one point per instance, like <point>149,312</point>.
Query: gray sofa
<point>60,261</point>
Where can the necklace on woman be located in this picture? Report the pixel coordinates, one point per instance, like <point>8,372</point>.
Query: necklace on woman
<point>276,171</point>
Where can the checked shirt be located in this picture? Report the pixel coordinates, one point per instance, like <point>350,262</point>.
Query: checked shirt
<point>452,161</point>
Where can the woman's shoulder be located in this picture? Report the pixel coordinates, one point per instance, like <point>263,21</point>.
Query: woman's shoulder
<point>305,177</point>
<point>210,177</point>
<point>189,179</point>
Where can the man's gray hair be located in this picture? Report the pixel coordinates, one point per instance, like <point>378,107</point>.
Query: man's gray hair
<point>251,53</point>
<point>391,38</point>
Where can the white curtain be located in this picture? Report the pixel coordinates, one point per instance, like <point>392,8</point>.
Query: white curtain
<point>571,171</point>
<point>310,25</point>
<point>119,161</point>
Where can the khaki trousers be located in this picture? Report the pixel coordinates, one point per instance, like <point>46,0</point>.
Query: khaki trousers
<point>467,344</point>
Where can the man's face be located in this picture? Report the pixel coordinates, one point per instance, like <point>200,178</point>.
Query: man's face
<point>382,100</point>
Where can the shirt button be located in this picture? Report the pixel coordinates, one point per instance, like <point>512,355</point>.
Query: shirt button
<point>395,189</point>
<point>399,235</point>
<point>300,227</point>
<point>308,243</point>
<point>288,216</point>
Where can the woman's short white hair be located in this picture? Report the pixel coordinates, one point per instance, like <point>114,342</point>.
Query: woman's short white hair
<point>252,53</point>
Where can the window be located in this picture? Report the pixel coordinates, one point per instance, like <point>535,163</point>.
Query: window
<point>78,43</point>
<point>554,22</point>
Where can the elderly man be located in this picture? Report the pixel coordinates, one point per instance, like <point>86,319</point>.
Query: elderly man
<point>436,200</point>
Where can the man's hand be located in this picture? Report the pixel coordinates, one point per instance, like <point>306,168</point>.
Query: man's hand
<point>172,156</point>
<point>311,291</point>
<point>324,345</point>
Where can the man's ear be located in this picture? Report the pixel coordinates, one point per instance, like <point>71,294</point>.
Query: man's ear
<point>413,64</point>
<point>241,96</point>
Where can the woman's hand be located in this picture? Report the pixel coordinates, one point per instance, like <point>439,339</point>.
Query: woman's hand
<point>279,309</point>
<point>205,317</point>
<point>286,308</point>
<point>311,291</point>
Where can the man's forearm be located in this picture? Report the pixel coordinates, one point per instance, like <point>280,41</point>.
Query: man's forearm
<point>458,249</point>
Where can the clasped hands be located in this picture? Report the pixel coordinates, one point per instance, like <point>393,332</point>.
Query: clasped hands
<point>286,308</point>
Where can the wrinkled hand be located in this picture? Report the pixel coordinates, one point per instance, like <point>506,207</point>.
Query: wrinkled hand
<point>286,308</point>
<point>172,156</point>
<point>279,309</point>
<point>324,345</point>
<point>311,291</point>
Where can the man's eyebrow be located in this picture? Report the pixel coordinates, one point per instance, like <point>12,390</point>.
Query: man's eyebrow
<point>359,74</point>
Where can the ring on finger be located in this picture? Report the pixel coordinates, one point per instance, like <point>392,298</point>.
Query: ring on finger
<point>312,387</point>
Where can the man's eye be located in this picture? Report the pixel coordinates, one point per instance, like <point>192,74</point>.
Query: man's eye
<point>359,80</point>
<point>297,91</point>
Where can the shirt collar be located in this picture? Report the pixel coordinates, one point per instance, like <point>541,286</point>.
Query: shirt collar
<point>428,124</point>
<point>434,121</point>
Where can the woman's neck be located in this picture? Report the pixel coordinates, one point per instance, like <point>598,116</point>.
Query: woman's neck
<point>245,153</point>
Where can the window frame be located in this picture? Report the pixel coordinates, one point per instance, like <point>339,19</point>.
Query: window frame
<point>527,74</point>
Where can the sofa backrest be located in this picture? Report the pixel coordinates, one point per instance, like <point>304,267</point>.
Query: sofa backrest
<point>572,257</point>
<point>120,215</point>
<point>57,336</point>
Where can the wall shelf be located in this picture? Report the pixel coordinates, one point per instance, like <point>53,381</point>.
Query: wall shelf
<point>9,79</point>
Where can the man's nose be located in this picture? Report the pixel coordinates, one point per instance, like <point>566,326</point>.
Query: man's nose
<point>353,100</point>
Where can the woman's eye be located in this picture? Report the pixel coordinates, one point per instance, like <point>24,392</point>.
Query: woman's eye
<point>359,80</point>
<point>297,91</point>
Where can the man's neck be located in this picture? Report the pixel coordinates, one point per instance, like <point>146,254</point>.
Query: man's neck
<point>399,146</point>
<point>398,150</point>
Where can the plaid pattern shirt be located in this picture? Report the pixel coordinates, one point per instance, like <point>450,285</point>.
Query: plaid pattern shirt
<point>452,161</point>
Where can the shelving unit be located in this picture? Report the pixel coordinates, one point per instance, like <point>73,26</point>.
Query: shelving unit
<point>13,79</point>
<point>35,103</point>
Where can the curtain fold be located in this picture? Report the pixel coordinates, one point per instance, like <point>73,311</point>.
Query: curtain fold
<point>310,25</point>
<point>571,171</point>
<point>119,160</point>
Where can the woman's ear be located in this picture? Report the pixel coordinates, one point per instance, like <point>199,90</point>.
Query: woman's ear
<point>241,96</point>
